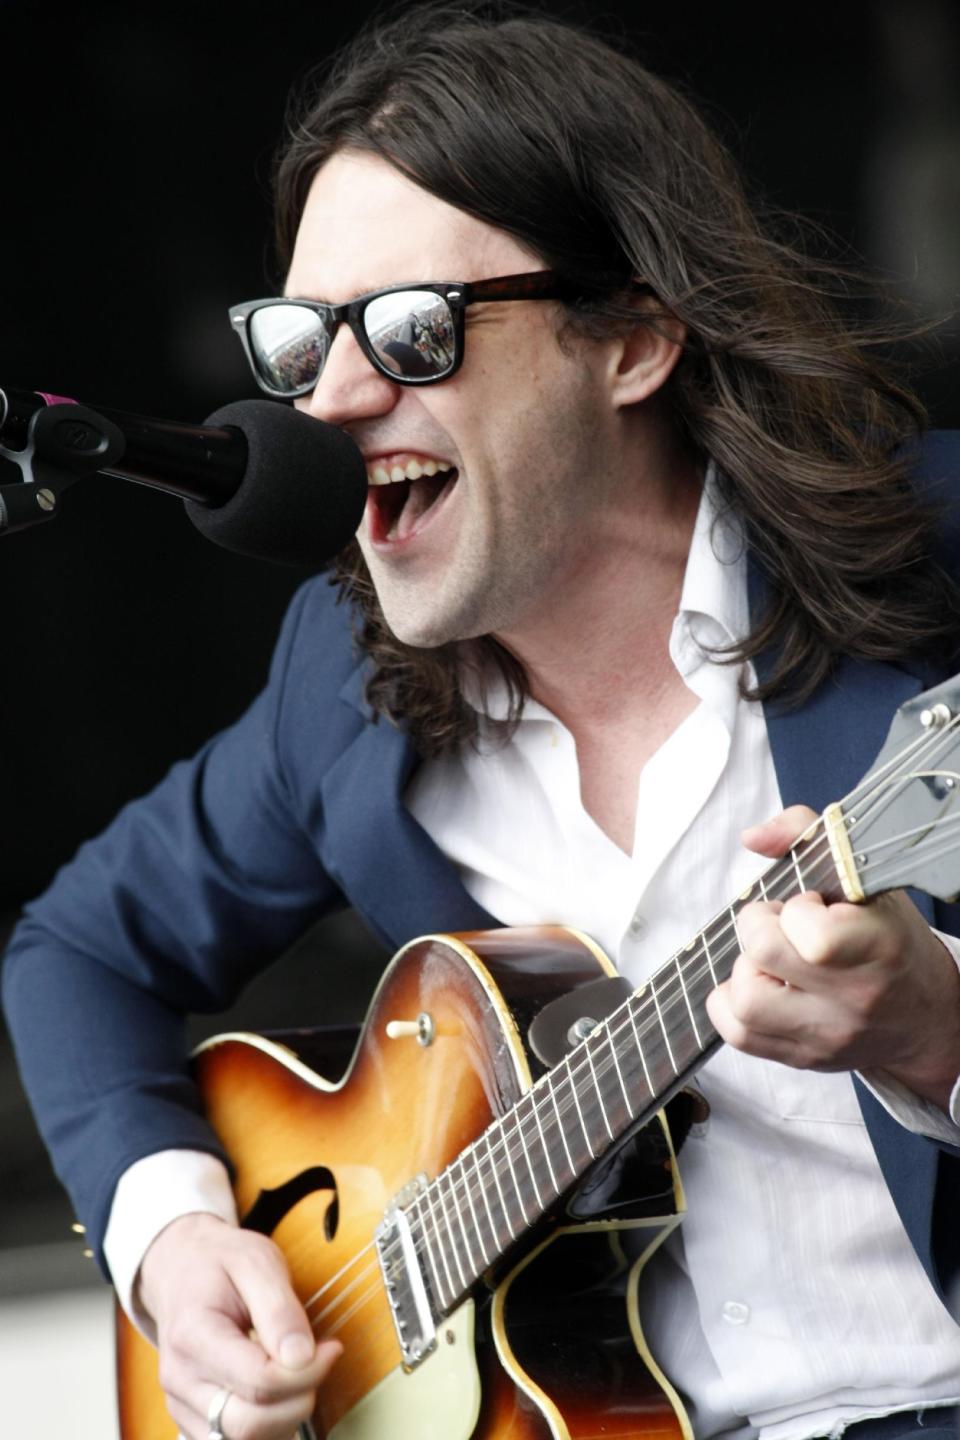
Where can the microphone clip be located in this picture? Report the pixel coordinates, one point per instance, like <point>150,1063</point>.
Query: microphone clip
<point>64,443</point>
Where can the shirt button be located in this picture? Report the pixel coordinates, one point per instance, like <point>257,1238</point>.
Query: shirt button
<point>735,1312</point>
<point>637,924</point>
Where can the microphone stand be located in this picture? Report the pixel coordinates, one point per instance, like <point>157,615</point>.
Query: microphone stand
<point>62,443</point>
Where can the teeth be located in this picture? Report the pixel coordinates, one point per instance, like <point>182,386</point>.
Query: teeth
<point>378,474</point>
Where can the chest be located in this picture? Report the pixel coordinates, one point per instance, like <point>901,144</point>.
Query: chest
<point>611,759</point>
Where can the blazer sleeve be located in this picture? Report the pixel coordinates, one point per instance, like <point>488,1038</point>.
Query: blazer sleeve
<point>188,893</point>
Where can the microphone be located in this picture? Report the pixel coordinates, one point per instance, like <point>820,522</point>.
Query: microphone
<point>257,477</point>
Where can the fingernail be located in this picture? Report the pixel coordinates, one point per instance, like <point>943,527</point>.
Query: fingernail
<point>296,1351</point>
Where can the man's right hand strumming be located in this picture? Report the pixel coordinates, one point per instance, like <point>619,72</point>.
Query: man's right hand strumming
<point>237,1355</point>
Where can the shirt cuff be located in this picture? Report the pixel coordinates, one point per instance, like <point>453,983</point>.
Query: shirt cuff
<point>153,1192</point>
<point>922,1117</point>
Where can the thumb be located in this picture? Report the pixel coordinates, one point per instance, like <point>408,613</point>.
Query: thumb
<point>280,1324</point>
<point>774,837</point>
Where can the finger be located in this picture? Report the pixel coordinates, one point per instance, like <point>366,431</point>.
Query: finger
<point>241,1419</point>
<point>215,1350</point>
<point>760,938</point>
<point>276,1315</point>
<point>774,837</point>
<point>760,1020</point>
<point>213,1342</point>
<point>837,935</point>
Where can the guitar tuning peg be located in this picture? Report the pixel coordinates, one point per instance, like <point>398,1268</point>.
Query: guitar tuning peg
<point>936,717</point>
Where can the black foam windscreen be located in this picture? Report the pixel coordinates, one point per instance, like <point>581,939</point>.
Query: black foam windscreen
<point>302,493</point>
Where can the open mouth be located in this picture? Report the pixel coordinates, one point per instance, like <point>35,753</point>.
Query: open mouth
<point>398,507</point>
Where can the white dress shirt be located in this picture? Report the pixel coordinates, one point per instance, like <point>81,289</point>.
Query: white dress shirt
<point>790,1301</point>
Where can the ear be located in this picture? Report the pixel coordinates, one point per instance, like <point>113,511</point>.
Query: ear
<point>643,360</point>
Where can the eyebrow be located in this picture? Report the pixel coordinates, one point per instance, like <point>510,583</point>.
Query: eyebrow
<point>378,289</point>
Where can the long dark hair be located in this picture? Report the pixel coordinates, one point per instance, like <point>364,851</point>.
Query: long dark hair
<point>608,172</point>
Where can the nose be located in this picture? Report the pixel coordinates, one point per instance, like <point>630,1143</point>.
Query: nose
<point>349,387</point>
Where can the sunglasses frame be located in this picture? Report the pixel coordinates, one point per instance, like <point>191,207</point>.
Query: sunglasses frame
<point>533,285</point>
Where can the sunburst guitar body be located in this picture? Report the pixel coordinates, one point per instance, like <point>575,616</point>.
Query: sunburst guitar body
<point>530,1295</point>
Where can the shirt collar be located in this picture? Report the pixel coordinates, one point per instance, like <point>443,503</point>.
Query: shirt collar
<point>715,580</point>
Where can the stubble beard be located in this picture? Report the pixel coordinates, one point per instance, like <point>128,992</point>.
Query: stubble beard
<point>475,597</point>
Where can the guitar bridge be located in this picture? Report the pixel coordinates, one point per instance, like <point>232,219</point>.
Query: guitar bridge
<point>406,1286</point>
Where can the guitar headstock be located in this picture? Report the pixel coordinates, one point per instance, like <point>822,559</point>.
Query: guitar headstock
<point>903,819</point>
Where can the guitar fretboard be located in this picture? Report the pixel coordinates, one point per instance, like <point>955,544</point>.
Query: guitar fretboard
<point>615,1079</point>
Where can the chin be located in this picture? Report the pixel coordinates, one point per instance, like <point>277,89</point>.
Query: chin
<point>429,632</point>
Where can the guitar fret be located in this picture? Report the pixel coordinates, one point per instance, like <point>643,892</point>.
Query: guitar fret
<point>548,1078</point>
<point>486,1201</point>
<point>596,1086</point>
<point>473,1214</point>
<point>496,1179</point>
<point>793,857</point>
<point>450,1229</point>
<point>576,1100</point>
<point>616,1063</point>
<point>736,932</point>
<point>706,951</point>
<point>423,1218</point>
<point>526,1152</point>
<point>513,1176</point>
<point>666,1037</point>
<point>636,1036</point>
<point>544,1147</point>
<point>451,1288</point>
<point>468,1255</point>
<point>683,987</point>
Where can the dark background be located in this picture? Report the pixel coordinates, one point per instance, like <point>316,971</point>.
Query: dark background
<point>135,147</point>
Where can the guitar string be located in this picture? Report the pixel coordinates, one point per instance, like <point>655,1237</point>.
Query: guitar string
<point>377,1289</point>
<point>371,1270</point>
<point>315,1298</point>
<point>522,1150</point>
<point>504,1143</point>
<point>933,741</point>
<point>925,849</point>
<point>929,829</point>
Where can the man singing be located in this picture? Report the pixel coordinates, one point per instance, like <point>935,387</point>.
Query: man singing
<point>652,552</point>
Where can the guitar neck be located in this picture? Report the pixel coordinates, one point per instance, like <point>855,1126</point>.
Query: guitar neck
<point>614,1080</point>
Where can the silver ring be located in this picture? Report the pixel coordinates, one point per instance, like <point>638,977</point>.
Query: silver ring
<point>215,1409</point>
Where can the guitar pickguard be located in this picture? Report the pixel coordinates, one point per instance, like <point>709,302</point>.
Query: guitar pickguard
<point>440,1400</point>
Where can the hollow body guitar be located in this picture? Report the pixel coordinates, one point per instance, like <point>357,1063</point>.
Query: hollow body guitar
<point>470,1208</point>
<point>532,1301</point>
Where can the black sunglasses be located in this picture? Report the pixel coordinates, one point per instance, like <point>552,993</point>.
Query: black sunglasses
<point>412,333</point>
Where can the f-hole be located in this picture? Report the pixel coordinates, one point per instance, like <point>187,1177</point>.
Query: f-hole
<point>271,1206</point>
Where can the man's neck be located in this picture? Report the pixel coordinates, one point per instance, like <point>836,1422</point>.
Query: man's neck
<point>605,658</point>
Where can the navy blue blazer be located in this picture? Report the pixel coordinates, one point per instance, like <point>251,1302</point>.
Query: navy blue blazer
<point>296,810</point>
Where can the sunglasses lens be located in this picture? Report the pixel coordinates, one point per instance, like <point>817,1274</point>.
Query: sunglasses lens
<point>411,332</point>
<point>289,347</point>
